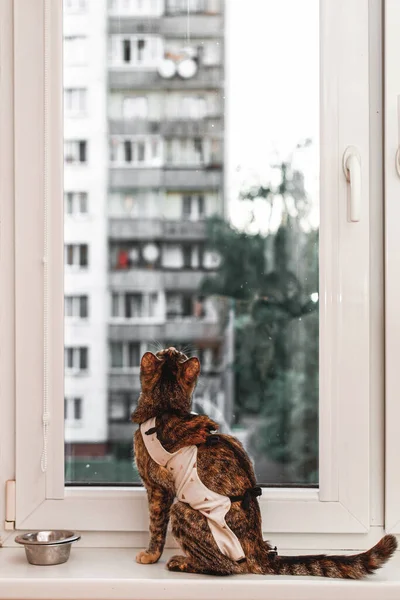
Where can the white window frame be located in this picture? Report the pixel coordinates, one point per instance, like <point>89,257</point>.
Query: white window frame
<point>76,198</point>
<point>79,55</point>
<point>392,263</point>
<point>342,503</point>
<point>75,101</point>
<point>75,302</point>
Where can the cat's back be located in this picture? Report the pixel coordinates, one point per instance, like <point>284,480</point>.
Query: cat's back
<point>225,467</point>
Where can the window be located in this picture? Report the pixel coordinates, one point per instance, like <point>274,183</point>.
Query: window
<point>146,8</point>
<point>184,305</point>
<point>135,51</point>
<point>194,107</point>
<point>134,305</point>
<point>135,108</point>
<point>76,255</point>
<point>323,436</point>
<point>76,203</point>
<point>74,101</point>
<point>180,6</point>
<point>76,359</point>
<point>188,152</point>
<point>75,50</point>
<point>75,152</point>
<point>75,6</point>
<point>135,151</point>
<point>73,411</point>
<point>76,307</point>
<point>121,406</point>
<point>193,208</point>
<point>124,355</point>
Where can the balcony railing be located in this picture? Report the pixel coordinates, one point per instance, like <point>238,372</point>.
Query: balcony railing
<point>171,25</point>
<point>170,179</point>
<point>129,78</point>
<point>184,127</point>
<point>152,280</point>
<point>136,229</point>
<point>182,330</point>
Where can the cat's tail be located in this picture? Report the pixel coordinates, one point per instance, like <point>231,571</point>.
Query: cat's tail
<point>355,566</point>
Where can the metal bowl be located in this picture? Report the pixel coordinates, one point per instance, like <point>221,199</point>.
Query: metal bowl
<point>47,547</point>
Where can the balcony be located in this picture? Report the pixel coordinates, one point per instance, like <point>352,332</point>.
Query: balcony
<point>193,179</point>
<point>170,179</point>
<point>212,126</point>
<point>128,78</point>
<point>201,25</point>
<point>142,279</point>
<point>126,178</point>
<point>180,330</point>
<point>155,229</point>
<point>124,381</point>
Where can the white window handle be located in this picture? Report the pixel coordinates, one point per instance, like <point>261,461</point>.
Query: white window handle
<point>352,171</point>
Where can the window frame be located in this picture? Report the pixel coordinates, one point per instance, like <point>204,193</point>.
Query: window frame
<point>392,264</point>
<point>342,503</point>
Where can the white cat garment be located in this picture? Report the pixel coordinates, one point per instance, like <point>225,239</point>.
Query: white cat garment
<point>190,489</point>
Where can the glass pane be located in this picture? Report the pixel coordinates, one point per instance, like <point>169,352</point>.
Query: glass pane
<point>195,159</point>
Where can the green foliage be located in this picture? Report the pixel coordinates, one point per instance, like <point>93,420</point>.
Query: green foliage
<point>270,279</point>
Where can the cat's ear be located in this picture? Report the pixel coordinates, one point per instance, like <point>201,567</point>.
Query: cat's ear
<point>149,363</point>
<point>191,369</point>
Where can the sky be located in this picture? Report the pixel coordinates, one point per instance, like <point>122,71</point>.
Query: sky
<point>272,93</point>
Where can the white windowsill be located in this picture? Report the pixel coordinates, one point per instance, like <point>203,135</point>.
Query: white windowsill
<point>102,574</point>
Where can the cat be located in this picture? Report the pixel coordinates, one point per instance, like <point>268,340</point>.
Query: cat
<point>169,431</point>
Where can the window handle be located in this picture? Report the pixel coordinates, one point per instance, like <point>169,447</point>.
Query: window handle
<point>352,171</point>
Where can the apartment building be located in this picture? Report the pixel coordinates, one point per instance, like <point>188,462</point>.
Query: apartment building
<point>144,168</point>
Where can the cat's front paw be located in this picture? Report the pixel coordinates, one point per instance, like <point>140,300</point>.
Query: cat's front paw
<point>147,558</point>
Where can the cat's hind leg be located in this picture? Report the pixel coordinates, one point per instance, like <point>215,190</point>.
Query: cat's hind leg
<point>202,555</point>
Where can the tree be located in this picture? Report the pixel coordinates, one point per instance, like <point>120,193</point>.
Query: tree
<point>272,278</point>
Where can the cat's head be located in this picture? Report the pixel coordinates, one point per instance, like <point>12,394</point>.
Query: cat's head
<point>168,379</point>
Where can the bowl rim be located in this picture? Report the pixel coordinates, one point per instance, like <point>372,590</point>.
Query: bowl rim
<point>70,537</point>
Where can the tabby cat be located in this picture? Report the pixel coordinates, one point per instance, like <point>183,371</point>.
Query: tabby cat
<point>223,534</point>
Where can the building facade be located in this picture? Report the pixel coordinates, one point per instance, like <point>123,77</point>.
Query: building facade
<point>144,168</point>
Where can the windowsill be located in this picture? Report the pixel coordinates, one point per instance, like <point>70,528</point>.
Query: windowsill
<point>100,574</point>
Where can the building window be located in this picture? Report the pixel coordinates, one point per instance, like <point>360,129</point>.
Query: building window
<point>74,101</point>
<point>181,305</point>
<point>136,50</point>
<point>75,6</point>
<point>124,355</point>
<point>188,152</point>
<point>76,203</point>
<point>135,151</point>
<point>135,108</point>
<point>76,307</point>
<point>193,207</point>
<point>149,8</point>
<point>75,50</point>
<point>75,152</point>
<point>134,305</point>
<point>73,410</point>
<point>194,107</point>
<point>181,6</point>
<point>76,255</point>
<point>120,406</point>
<point>76,358</point>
